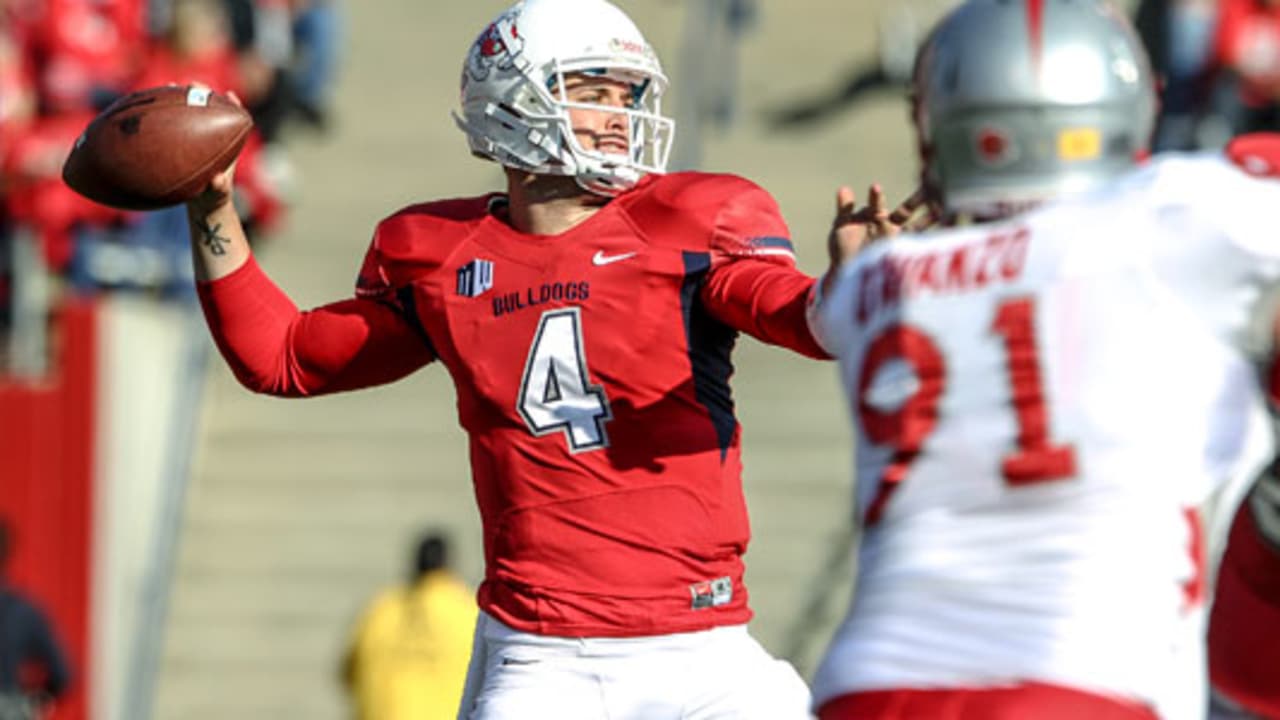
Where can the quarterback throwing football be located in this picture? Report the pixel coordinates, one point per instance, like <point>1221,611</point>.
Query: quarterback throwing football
<point>586,316</point>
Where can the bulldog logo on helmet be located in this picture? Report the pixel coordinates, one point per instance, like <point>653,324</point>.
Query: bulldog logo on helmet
<point>498,46</point>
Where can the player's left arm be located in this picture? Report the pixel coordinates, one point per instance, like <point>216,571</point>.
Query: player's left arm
<point>753,284</point>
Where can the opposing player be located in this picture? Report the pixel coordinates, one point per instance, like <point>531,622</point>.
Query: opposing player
<point>1043,397</point>
<point>586,316</point>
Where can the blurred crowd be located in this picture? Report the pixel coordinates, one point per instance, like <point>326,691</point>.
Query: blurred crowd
<point>63,61</point>
<point>1220,62</point>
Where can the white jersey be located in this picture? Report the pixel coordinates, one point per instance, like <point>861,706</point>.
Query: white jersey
<point>1040,406</point>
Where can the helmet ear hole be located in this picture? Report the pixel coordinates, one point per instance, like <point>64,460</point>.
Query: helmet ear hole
<point>515,108</point>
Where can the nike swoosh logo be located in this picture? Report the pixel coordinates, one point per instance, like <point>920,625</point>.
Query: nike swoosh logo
<point>601,259</point>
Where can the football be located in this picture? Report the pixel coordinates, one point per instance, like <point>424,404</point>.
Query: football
<point>156,147</point>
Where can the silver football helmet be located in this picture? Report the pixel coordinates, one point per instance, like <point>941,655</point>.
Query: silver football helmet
<point>1017,101</point>
<point>515,109</point>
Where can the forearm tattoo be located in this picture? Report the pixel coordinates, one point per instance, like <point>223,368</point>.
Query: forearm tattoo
<point>209,237</point>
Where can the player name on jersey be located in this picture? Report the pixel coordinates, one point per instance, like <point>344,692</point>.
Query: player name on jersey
<point>999,257</point>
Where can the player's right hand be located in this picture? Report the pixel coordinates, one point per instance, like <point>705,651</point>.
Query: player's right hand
<point>221,187</point>
<point>216,195</point>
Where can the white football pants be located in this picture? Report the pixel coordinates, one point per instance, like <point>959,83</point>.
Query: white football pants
<point>718,674</point>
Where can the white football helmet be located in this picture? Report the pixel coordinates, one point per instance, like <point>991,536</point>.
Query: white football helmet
<point>1017,101</point>
<point>514,107</point>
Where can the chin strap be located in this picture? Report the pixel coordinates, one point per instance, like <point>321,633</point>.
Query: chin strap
<point>608,184</point>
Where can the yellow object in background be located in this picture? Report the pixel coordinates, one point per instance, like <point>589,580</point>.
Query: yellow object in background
<point>407,658</point>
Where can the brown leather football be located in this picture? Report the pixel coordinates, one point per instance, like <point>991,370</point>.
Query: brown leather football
<point>156,147</point>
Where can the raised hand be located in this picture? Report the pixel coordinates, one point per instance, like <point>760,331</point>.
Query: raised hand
<point>857,227</point>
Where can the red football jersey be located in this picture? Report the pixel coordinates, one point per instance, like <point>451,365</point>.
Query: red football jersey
<point>592,373</point>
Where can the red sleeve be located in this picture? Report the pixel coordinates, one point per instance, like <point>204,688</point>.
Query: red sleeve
<point>1244,627</point>
<point>754,285</point>
<point>765,300</point>
<point>275,349</point>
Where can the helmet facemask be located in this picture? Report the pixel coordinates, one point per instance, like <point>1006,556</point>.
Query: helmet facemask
<point>516,108</point>
<point>649,133</point>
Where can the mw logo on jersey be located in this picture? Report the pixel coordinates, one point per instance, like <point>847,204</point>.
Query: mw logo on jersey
<point>475,278</point>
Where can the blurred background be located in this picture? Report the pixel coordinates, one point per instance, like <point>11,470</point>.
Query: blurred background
<point>205,553</point>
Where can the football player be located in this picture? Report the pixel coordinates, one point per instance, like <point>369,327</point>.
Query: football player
<point>586,316</point>
<point>1045,392</point>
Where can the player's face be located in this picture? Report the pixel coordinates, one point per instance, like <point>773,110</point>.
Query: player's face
<point>605,130</point>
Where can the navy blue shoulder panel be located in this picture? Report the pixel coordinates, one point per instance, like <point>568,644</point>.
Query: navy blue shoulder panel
<point>407,306</point>
<point>710,345</point>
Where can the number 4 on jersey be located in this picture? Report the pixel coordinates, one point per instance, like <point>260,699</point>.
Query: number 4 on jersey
<point>556,394</point>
